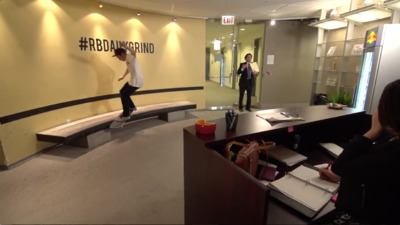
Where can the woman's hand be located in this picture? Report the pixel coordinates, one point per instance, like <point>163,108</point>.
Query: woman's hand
<point>328,175</point>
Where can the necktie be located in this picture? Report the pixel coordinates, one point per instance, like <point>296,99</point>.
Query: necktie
<point>248,71</point>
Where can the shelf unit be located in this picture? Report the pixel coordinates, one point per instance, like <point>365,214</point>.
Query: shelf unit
<point>337,64</point>
<point>338,58</point>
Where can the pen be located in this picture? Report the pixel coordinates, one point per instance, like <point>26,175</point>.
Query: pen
<point>233,121</point>
<point>329,165</point>
<point>285,114</point>
<point>322,175</point>
<point>229,114</point>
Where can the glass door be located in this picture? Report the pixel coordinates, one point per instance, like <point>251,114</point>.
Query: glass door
<point>226,46</point>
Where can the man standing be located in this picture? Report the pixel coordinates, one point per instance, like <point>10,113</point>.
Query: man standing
<point>135,82</point>
<point>246,81</point>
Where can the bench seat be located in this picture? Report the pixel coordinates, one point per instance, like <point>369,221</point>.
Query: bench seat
<point>69,133</point>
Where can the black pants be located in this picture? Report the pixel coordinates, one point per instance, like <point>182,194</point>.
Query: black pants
<point>126,100</point>
<point>249,89</point>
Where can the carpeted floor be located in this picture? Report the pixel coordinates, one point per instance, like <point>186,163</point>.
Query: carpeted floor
<point>137,178</point>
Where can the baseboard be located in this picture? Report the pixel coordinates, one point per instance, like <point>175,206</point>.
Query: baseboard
<point>19,162</point>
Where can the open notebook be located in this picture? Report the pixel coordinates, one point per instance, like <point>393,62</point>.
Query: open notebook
<point>303,190</point>
<point>279,117</point>
<point>286,155</point>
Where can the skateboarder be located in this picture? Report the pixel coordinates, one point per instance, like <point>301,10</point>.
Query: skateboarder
<point>135,81</point>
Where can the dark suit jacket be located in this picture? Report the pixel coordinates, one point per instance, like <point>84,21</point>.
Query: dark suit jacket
<point>243,76</point>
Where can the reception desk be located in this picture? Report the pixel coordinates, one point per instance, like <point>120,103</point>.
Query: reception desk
<point>219,192</point>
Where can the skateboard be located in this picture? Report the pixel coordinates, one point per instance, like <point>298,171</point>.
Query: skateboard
<point>117,124</point>
<point>120,124</point>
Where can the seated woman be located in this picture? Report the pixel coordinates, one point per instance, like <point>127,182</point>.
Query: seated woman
<point>369,167</point>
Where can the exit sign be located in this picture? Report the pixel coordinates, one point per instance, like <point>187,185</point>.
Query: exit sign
<point>228,20</point>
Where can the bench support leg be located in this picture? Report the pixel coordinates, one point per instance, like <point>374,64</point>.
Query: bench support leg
<point>173,116</point>
<point>93,140</point>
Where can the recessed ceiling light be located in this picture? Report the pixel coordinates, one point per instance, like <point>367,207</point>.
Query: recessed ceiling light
<point>330,24</point>
<point>367,14</point>
<point>334,12</point>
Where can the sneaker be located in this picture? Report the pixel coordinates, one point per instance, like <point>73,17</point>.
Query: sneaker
<point>132,110</point>
<point>122,118</point>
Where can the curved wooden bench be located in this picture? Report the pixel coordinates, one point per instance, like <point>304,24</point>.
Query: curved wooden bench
<point>94,131</point>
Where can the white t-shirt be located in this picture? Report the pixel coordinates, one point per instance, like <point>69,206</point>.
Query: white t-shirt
<point>137,79</point>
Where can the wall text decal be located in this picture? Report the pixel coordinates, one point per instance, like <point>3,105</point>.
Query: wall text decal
<point>104,45</point>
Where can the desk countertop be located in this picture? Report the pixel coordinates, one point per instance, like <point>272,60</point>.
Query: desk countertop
<point>250,123</point>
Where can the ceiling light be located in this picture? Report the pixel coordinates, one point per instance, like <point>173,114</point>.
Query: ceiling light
<point>273,22</point>
<point>334,13</point>
<point>242,29</point>
<point>367,14</point>
<point>330,24</point>
<point>138,13</point>
<point>368,1</point>
<point>394,4</point>
<point>292,18</point>
<point>100,5</point>
<point>175,19</point>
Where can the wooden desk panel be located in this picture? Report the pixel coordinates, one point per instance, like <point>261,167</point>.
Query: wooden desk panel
<point>218,192</point>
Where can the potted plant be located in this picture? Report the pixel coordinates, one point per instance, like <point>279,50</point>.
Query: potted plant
<point>339,99</point>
